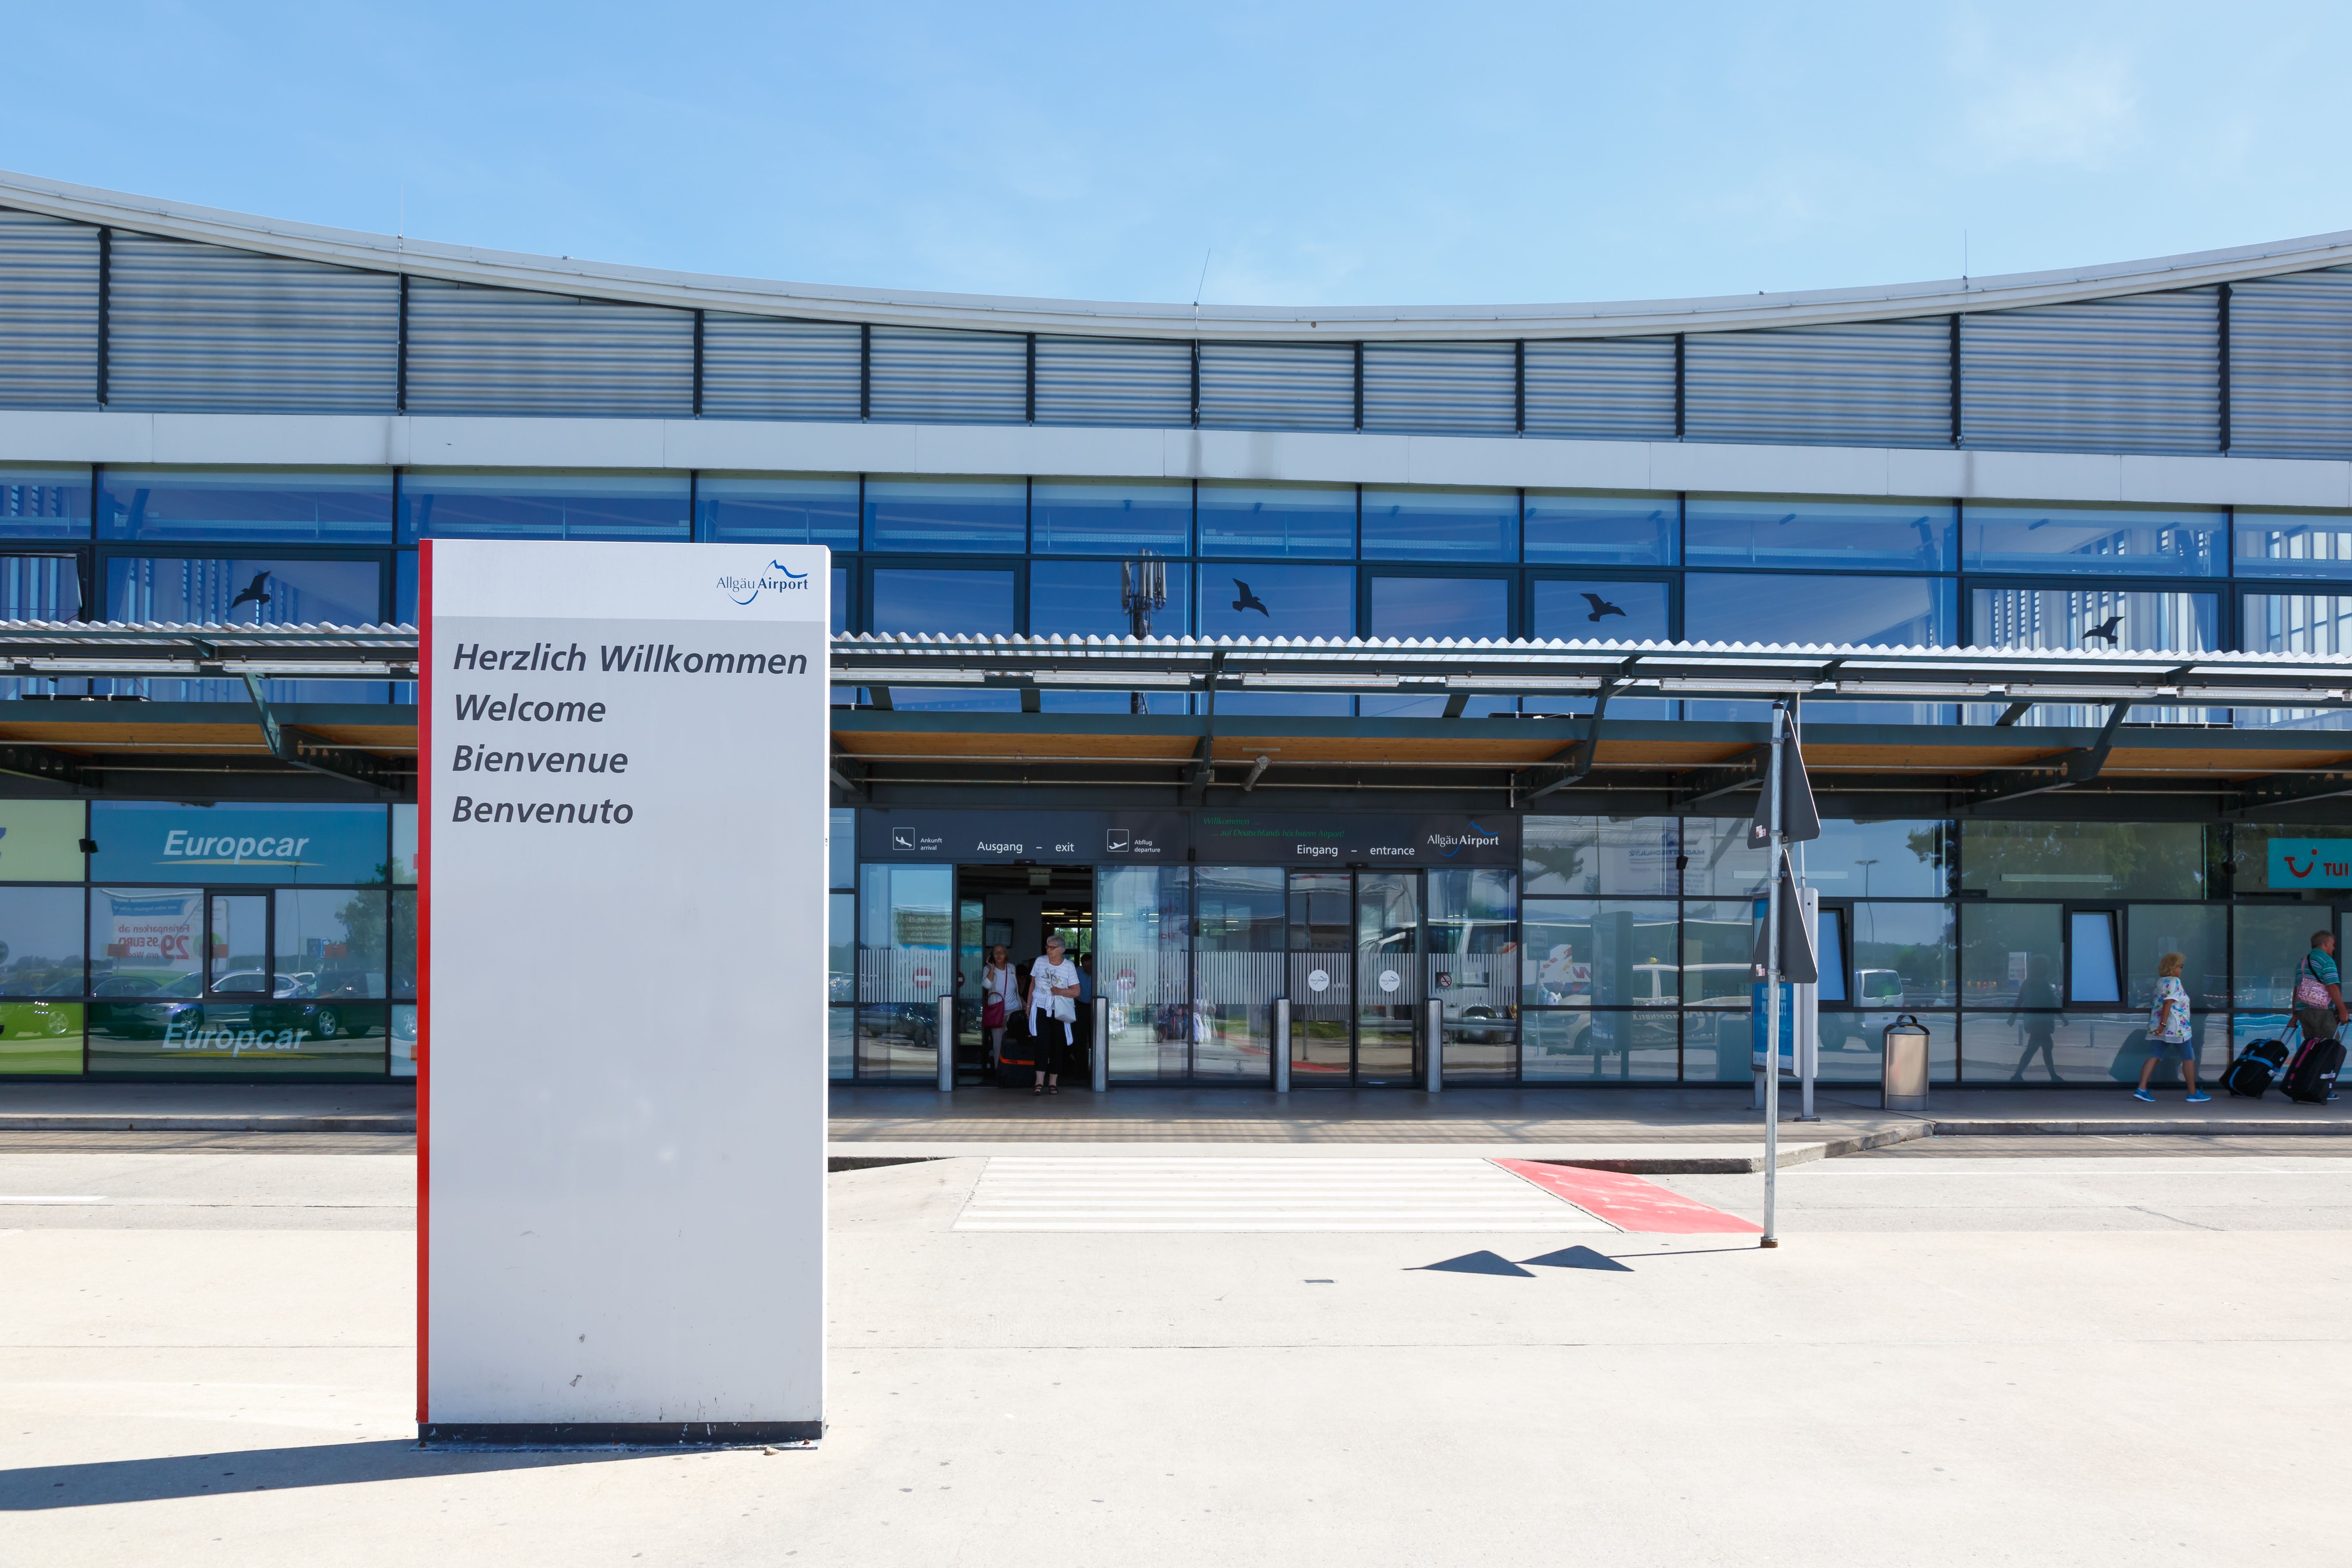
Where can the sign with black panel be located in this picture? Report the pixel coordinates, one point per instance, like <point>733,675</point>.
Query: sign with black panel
<point>1006,838</point>
<point>1359,840</point>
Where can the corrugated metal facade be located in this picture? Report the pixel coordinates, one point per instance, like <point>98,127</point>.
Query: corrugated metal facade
<point>206,328</point>
<point>505,351</point>
<point>950,378</point>
<point>755,367</point>
<point>2136,374</point>
<point>1444,389</point>
<point>1278,386</point>
<point>1871,384</point>
<point>48,312</point>
<point>1601,389</point>
<point>1114,381</point>
<point>2291,365</point>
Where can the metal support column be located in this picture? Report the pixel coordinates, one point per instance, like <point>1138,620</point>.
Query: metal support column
<point>1772,982</point>
<point>1282,1044</point>
<point>1433,1027</point>
<point>1098,1048</point>
<point>945,1024</point>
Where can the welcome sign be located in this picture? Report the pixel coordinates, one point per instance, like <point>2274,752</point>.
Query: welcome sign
<point>2310,863</point>
<point>621,937</point>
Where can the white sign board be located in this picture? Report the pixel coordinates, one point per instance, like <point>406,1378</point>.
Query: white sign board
<point>622,947</point>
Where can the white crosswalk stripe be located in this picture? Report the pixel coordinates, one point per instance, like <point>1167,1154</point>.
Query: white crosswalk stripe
<point>1045,1193</point>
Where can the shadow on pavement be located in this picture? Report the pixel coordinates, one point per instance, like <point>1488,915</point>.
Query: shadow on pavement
<point>37,1488</point>
<point>1576,1257</point>
<point>1475,1263</point>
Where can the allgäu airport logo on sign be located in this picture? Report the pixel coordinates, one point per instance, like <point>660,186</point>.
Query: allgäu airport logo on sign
<point>744,589</point>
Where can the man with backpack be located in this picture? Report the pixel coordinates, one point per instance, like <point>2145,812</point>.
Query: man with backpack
<point>2319,989</point>
<point>2319,1010</point>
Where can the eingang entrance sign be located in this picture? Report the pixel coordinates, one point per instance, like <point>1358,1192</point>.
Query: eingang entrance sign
<point>622,954</point>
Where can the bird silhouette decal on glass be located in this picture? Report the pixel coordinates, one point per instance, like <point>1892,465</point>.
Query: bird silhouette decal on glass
<point>1249,601</point>
<point>2105,629</point>
<point>1602,606</point>
<point>256,592</point>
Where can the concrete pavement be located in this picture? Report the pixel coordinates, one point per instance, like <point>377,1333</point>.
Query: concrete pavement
<point>1924,1372</point>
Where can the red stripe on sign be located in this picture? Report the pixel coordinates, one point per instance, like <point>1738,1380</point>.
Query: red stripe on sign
<point>1629,1203</point>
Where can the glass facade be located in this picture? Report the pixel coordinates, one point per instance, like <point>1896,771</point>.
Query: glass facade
<point>237,940</point>
<point>1618,951</point>
<point>1244,559</point>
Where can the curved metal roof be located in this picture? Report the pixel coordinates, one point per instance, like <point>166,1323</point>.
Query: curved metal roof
<point>985,312</point>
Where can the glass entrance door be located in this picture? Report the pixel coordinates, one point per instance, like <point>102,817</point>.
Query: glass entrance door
<point>1239,968</point>
<point>1322,985</point>
<point>1389,979</point>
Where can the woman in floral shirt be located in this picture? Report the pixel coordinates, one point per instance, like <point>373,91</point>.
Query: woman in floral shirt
<point>2168,1030</point>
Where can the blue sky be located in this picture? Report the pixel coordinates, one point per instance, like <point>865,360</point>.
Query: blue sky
<point>1318,155</point>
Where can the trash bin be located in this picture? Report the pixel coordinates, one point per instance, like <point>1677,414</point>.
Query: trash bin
<point>1903,1069</point>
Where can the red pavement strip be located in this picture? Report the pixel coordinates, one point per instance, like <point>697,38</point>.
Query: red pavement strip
<point>1629,1203</point>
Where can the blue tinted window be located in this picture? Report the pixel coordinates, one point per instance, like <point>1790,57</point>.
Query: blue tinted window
<point>44,503</point>
<point>39,588</point>
<point>1885,612</point>
<point>958,517</point>
<point>840,600</point>
<point>155,841</point>
<point>1274,600</point>
<point>1827,535</point>
<point>2292,544</point>
<point>1441,607</point>
<point>915,599</point>
<point>285,508</point>
<point>1441,525</point>
<point>1081,598</point>
<point>2145,541</point>
<point>2295,622</point>
<point>816,508</point>
<point>1602,530</point>
<point>1317,520</point>
<point>470,503</point>
<point>1597,609</point>
<point>403,588</point>
<point>2108,617</point>
<point>246,591</point>
<point>242,591</point>
<point>1115,519</point>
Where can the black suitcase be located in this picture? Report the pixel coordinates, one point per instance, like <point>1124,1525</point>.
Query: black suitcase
<point>2249,1077</point>
<point>2312,1079</point>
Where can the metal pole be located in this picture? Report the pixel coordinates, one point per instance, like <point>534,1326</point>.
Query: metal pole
<point>1282,1044</point>
<point>1772,989</point>
<point>1433,1074</point>
<point>1809,997</point>
<point>945,1024</point>
<point>1098,1048</point>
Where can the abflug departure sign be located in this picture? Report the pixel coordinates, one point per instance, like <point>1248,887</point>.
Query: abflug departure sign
<point>525,738</point>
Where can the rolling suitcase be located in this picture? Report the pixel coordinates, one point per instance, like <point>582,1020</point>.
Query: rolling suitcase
<point>2312,1079</point>
<point>2249,1077</point>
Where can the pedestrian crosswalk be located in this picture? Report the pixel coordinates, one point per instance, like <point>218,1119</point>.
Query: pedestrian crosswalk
<point>1241,1192</point>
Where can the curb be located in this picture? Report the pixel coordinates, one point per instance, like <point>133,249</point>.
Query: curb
<point>2220,1128</point>
<point>1735,1166</point>
<point>23,1123</point>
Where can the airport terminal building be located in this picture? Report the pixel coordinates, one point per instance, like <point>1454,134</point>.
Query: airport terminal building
<point>1466,625</point>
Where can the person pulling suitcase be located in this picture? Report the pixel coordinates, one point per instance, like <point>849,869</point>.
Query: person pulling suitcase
<point>2319,1009</point>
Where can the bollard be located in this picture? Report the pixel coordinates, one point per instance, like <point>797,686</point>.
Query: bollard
<point>1435,1029</point>
<point>945,1024</point>
<point>1282,1044</point>
<point>1098,1048</point>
